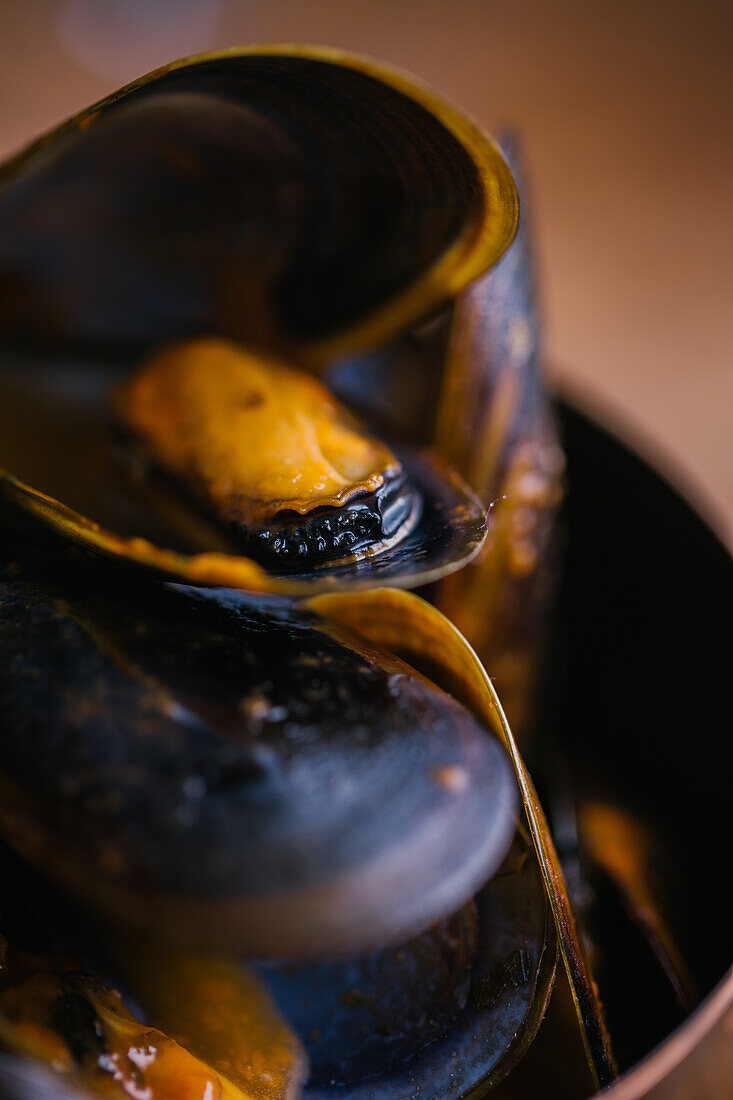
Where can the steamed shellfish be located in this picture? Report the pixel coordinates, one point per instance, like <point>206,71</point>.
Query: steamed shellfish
<point>215,768</point>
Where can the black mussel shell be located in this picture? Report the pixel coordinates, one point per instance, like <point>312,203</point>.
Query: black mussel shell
<point>232,772</point>
<point>451,1009</point>
<point>289,197</point>
<point>363,1015</point>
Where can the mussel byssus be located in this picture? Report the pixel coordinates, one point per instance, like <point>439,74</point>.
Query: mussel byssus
<point>254,843</point>
<point>254,777</point>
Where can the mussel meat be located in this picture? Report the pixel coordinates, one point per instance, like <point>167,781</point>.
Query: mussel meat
<point>224,1039</point>
<point>271,454</point>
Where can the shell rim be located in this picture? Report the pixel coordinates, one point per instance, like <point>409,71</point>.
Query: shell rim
<point>478,247</point>
<point>214,569</point>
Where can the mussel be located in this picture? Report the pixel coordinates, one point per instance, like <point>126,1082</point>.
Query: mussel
<point>236,773</point>
<point>83,1029</point>
<point>208,775</point>
<point>302,203</point>
<point>225,1038</point>
<point>448,1009</point>
<point>441,1014</point>
<point>211,285</point>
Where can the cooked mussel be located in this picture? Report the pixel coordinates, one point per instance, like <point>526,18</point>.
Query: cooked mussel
<point>455,1005</point>
<point>59,1007</point>
<point>199,765</point>
<point>239,773</point>
<point>58,431</point>
<point>84,1031</point>
<point>301,202</point>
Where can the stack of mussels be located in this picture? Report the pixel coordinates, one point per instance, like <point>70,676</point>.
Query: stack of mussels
<point>260,836</point>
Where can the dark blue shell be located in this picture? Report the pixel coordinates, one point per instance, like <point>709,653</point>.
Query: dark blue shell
<point>433,1017</point>
<point>236,773</point>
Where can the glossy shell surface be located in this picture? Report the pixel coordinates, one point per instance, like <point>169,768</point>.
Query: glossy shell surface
<point>231,189</point>
<point>246,775</point>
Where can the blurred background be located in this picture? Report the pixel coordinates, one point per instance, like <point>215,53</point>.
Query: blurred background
<point>626,113</point>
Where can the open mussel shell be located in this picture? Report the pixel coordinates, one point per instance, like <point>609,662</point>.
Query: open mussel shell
<point>239,774</point>
<point>97,1047</point>
<point>303,202</point>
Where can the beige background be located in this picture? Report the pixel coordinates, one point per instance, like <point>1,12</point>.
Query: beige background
<point>627,114</point>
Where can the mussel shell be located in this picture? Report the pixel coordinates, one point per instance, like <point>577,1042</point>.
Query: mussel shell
<point>292,197</point>
<point>388,1024</point>
<point>492,381</point>
<point>364,1015</point>
<point>234,773</point>
<point>508,451</point>
<point>459,1003</point>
